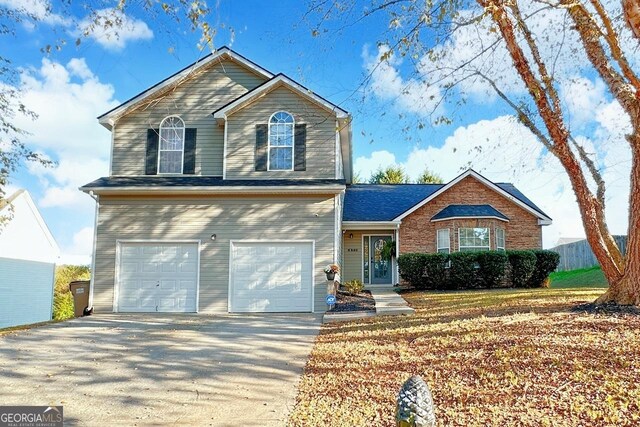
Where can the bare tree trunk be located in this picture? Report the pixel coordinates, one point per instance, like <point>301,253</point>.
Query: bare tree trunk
<point>626,290</point>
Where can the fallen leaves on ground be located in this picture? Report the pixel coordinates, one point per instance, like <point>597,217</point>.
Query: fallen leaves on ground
<point>496,357</point>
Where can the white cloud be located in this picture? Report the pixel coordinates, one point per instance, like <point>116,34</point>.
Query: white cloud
<point>112,29</point>
<point>39,10</point>
<point>67,99</point>
<point>79,252</point>
<point>582,97</point>
<point>411,95</point>
<point>510,153</point>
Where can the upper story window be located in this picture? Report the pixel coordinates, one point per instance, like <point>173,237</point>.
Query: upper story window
<point>474,239</point>
<point>500,239</point>
<point>281,127</point>
<point>171,148</point>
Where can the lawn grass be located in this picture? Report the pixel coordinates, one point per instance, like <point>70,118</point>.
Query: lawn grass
<point>496,357</point>
<point>583,278</point>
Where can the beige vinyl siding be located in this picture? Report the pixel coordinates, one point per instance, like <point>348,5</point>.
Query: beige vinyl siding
<point>230,218</point>
<point>194,101</point>
<point>320,143</point>
<point>352,268</point>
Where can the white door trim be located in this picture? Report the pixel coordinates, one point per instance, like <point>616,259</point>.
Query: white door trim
<point>313,265</point>
<point>393,261</point>
<point>116,284</point>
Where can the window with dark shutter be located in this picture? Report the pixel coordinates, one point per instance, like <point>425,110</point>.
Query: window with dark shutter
<point>262,146</point>
<point>151,159</point>
<point>300,148</point>
<point>189,165</point>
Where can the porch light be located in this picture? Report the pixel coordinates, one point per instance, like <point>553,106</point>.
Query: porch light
<point>213,237</point>
<point>351,235</point>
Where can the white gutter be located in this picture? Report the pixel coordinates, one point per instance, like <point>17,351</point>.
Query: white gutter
<point>238,190</point>
<point>369,225</point>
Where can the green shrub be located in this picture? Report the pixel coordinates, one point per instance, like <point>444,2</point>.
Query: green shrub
<point>492,267</point>
<point>411,267</point>
<point>435,271</point>
<point>62,306</point>
<point>62,298</point>
<point>353,286</point>
<point>463,270</point>
<point>546,263</point>
<point>522,263</point>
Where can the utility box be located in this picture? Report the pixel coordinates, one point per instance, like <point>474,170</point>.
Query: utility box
<point>80,292</point>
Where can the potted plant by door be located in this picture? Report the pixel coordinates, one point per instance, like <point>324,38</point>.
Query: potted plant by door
<point>331,270</point>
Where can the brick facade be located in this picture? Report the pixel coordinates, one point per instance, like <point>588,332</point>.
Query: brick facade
<point>418,233</point>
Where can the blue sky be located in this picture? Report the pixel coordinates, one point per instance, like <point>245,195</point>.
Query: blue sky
<point>69,88</point>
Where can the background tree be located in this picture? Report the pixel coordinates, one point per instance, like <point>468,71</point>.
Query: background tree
<point>545,42</point>
<point>172,16</point>
<point>393,174</point>
<point>428,177</point>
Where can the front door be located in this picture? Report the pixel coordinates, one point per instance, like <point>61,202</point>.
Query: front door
<point>377,265</point>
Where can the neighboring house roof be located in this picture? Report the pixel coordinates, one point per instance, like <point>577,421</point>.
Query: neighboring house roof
<point>25,236</point>
<point>209,184</point>
<point>224,52</point>
<point>277,81</point>
<point>567,240</point>
<point>469,211</point>
<point>393,202</point>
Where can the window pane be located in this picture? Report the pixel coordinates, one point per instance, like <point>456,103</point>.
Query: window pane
<point>443,240</point>
<point>170,162</point>
<point>280,158</point>
<point>474,239</point>
<point>365,256</point>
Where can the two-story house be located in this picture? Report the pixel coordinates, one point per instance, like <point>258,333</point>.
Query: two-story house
<point>230,190</point>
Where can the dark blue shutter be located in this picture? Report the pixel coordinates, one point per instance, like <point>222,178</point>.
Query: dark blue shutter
<point>151,159</point>
<point>262,146</point>
<point>189,164</point>
<point>300,148</point>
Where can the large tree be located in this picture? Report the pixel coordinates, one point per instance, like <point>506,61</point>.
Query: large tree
<point>71,25</point>
<point>541,43</point>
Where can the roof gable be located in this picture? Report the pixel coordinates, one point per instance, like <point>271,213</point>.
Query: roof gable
<point>508,191</point>
<point>279,80</point>
<point>393,202</point>
<point>107,119</point>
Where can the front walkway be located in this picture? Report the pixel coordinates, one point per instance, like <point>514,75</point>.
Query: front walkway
<point>160,369</point>
<point>389,303</point>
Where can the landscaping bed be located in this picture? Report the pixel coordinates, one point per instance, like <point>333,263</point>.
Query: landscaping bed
<point>491,357</point>
<point>347,302</point>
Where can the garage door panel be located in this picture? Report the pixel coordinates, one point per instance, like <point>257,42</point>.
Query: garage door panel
<point>158,277</point>
<point>271,277</point>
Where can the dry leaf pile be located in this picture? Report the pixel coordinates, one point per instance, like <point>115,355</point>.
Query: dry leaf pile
<point>496,357</point>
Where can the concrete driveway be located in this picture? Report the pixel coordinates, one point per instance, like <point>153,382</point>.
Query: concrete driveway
<point>160,369</point>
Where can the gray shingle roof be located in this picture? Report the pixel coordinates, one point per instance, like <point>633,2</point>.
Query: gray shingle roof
<point>385,202</point>
<point>470,211</point>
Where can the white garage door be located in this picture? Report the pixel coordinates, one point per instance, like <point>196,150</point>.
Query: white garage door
<point>158,277</point>
<point>271,277</point>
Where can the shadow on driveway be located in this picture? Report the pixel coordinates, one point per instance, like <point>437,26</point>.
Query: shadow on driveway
<point>161,369</point>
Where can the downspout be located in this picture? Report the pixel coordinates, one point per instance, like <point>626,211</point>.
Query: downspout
<point>93,255</point>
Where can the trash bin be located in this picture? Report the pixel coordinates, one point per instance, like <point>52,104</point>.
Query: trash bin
<point>80,292</point>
